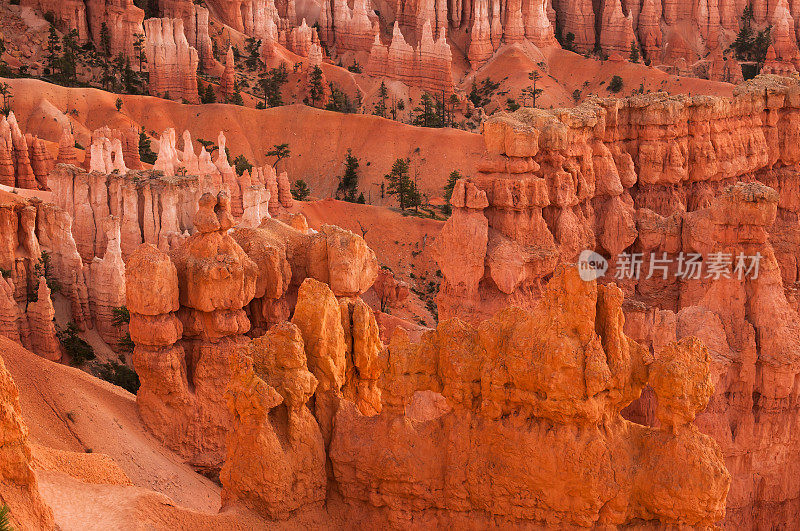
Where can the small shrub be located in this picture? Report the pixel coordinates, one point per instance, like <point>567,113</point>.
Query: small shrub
<point>300,190</point>
<point>125,344</point>
<point>241,164</point>
<point>119,375</point>
<point>78,350</point>
<point>616,84</point>
<point>120,316</point>
<point>5,518</point>
<point>118,104</point>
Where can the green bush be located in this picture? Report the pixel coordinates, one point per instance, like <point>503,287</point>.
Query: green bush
<point>119,375</point>
<point>78,350</point>
<point>5,519</point>
<point>616,84</point>
<point>121,316</point>
<point>300,190</point>
<point>126,344</point>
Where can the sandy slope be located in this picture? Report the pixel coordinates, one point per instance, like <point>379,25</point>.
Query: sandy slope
<point>67,409</point>
<point>317,139</point>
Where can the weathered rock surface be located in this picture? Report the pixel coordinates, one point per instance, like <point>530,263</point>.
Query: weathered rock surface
<point>658,176</point>
<point>427,66</point>
<point>524,391</point>
<point>172,63</point>
<point>18,485</point>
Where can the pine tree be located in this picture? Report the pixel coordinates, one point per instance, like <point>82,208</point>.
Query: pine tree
<point>53,52</point>
<point>532,91</point>
<point>745,39</point>
<point>454,176</point>
<point>348,182</point>
<point>138,47</point>
<point>316,89</point>
<point>300,190</point>
<point>280,152</point>
<point>427,115</point>
<point>145,151</point>
<point>105,40</point>
<point>399,184</point>
<point>69,60</point>
<point>380,106</point>
<point>634,56</point>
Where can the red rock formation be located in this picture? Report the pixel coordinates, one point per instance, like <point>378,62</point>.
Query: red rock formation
<point>554,183</point>
<point>66,148</point>
<point>41,160</point>
<point>649,29</point>
<point>123,20</point>
<point>783,35</point>
<point>390,292</point>
<point>271,422</point>
<point>491,379</point>
<point>353,29</point>
<point>579,19</point>
<point>19,489</point>
<point>54,233</point>
<point>172,63</point>
<point>16,168</point>
<point>616,28</point>
<point>227,83</point>
<point>480,45</point>
<point>9,312</point>
<point>538,28</point>
<point>107,286</point>
<point>774,65</point>
<point>211,294</point>
<point>195,21</point>
<point>428,66</point>
<point>723,68</point>
<point>42,328</point>
<point>69,15</point>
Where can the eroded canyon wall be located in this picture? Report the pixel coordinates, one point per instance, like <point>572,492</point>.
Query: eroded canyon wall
<point>658,178</point>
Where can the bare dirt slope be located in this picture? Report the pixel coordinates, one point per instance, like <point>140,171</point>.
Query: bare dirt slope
<point>67,409</point>
<point>318,139</point>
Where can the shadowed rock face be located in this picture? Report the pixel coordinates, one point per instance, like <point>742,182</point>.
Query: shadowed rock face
<point>659,176</point>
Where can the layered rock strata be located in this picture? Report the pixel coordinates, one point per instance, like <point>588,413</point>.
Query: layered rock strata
<point>427,66</point>
<point>25,161</point>
<point>172,62</point>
